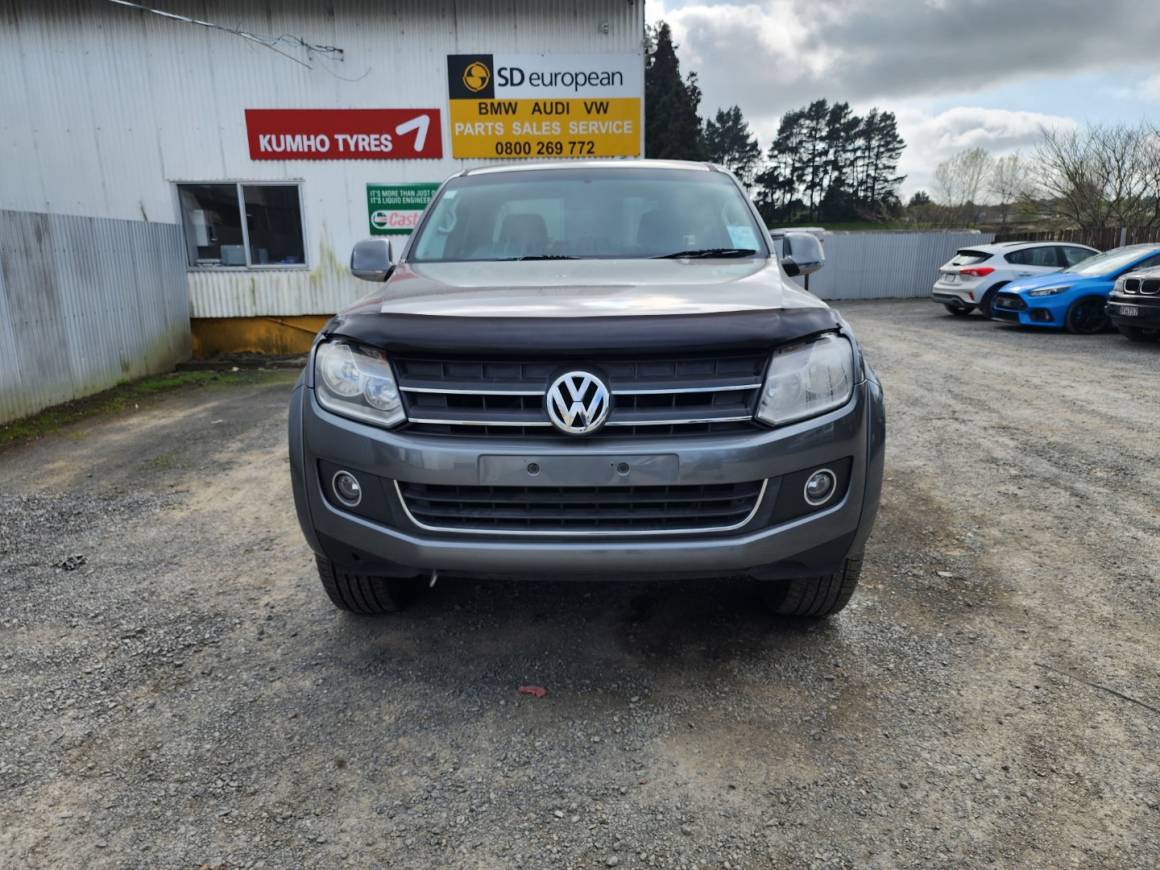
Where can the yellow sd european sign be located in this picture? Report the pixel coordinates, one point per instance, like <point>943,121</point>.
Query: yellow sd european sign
<point>537,106</point>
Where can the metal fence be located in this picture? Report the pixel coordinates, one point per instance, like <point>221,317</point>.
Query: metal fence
<point>86,303</point>
<point>886,265</point>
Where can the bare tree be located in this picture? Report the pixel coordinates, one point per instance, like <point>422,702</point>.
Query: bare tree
<point>1009,182</point>
<point>959,180</point>
<point>1102,176</point>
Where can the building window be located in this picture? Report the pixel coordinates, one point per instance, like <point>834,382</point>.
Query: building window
<point>217,236</point>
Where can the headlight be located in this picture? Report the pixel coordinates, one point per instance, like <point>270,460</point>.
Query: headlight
<point>806,380</point>
<point>357,382</point>
<point>1047,291</point>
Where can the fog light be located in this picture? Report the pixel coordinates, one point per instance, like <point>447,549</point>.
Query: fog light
<point>820,486</point>
<point>346,488</point>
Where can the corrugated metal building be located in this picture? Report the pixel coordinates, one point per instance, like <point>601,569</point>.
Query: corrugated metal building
<point>86,303</point>
<point>113,111</point>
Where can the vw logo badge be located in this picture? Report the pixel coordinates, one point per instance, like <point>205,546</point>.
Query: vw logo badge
<point>578,403</point>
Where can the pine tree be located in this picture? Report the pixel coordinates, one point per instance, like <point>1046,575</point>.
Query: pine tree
<point>885,147</point>
<point>842,144</point>
<point>672,127</point>
<point>729,143</point>
<point>780,180</point>
<point>826,162</point>
<point>816,164</point>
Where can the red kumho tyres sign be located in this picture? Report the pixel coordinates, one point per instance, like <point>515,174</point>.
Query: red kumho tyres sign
<point>344,134</point>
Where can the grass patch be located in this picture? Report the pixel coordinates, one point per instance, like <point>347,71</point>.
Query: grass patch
<point>130,396</point>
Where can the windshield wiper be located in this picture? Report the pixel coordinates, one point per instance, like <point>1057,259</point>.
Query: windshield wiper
<point>705,253</point>
<point>536,257</point>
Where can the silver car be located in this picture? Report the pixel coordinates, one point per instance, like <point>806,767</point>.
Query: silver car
<point>588,369</point>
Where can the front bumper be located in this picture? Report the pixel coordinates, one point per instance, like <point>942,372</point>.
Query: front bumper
<point>1047,311</point>
<point>815,543</point>
<point>1147,308</point>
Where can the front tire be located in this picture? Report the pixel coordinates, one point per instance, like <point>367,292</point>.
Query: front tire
<point>363,593</point>
<point>814,597</point>
<point>957,311</point>
<point>1087,316</point>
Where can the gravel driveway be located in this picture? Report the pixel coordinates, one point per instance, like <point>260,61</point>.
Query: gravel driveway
<point>175,690</point>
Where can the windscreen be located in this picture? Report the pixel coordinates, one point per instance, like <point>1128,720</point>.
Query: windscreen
<point>969,258</point>
<point>586,213</point>
<point>1109,261</point>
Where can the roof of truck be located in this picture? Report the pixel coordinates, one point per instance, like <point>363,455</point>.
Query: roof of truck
<point>602,164</point>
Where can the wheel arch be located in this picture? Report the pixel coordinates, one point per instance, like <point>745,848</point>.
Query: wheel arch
<point>990,292</point>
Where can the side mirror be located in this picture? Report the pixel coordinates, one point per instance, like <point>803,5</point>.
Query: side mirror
<point>802,254</point>
<point>372,260</point>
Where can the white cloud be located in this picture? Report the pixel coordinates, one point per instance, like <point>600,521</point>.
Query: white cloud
<point>788,51</point>
<point>932,138</point>
<point>1146,90</point>
<point>900,55</point>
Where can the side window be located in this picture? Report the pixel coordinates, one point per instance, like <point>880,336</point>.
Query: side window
<point>274,221</point>
<point>1073,255</point>
<point>215,235</point>
<point>1044,256</point>
<point>213,224</point>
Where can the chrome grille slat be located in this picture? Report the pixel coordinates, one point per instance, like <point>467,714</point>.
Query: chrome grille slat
<point>677,421</point>
<point>669,391</point>
<point>466,391</point>
<point>698,394</point>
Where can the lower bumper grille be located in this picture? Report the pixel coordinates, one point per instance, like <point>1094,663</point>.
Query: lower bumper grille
<point>580,510</point>
<point>1004,300</point>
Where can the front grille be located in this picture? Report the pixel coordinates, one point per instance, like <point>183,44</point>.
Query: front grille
<point>564,510</point>
<point>1142,286</point>
<point>668,396</point>
<point>1010,301</point>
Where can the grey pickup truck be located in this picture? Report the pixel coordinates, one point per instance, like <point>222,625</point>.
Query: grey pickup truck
<point>588,370</point>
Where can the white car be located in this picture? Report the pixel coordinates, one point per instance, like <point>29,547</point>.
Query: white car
<point>972,277</point>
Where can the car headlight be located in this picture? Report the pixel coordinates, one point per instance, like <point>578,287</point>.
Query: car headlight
<point>357,382</point>
<point>806,380</point>
<point>1047,291</point>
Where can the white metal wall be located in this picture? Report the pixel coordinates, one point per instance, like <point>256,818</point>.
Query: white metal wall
<point>103,107</point>
<point>885,265</point>
<point>86,303</point>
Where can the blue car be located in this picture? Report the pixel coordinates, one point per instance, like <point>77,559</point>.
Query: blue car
<point>1076,298</point>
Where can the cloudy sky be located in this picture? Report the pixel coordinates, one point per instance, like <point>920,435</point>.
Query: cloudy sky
<point>957,73</point>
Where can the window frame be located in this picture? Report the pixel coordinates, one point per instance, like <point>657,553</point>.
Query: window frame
<point>238,184</point>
